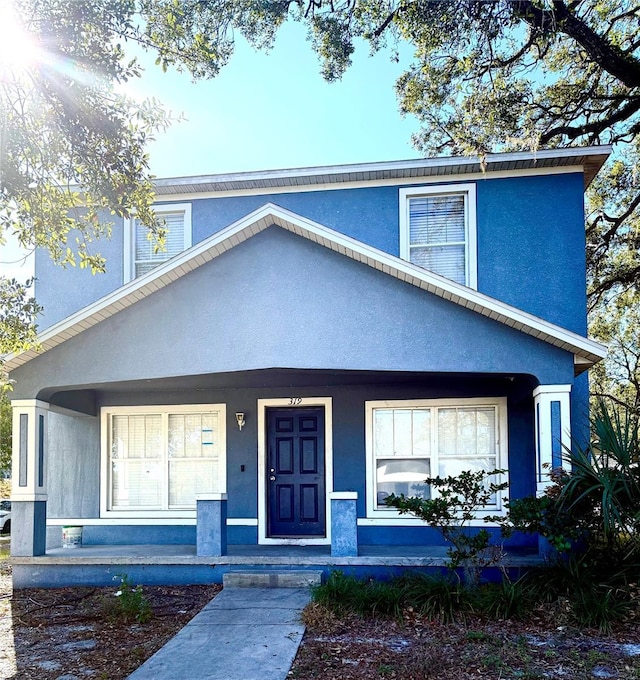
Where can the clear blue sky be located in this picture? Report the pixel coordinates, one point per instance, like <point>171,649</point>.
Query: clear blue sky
<point>274,110</point>
<point>268,111</point>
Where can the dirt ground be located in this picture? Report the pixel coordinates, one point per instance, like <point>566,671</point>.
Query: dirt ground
<point>416,648</point>
<point>74,633</point>
<point>71,634</point>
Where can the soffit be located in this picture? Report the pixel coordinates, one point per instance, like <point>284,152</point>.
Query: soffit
<point>590,159</point>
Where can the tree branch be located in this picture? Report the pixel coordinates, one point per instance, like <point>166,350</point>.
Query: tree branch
<point>610,57</point>
<point>595,128</point>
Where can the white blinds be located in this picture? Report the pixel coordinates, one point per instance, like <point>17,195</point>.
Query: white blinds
<point>145,257</point>
<point>437,234</point>
<point>467,440</point>
<point>402,432</point>
<point>441,440</point>
<point>193,457</point>
<point>160,461</point>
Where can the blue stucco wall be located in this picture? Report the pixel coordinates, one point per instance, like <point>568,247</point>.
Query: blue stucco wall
<point>349,454</point>
<point>279,300</point>
<point>530,242</point>
<point>531,246</point>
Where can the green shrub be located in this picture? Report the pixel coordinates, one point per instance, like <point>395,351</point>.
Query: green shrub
<point>593,510</point>
<point>505,600</point>
<point>604,484</point>
<point>128,603</point>
<point>599,607</point>
<point>369,597</point>
<point>546,516</point>
<point>439,596</point>
<point>453,512</point>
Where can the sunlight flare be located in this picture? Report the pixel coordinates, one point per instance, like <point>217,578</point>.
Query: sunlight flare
<point>18,47</point>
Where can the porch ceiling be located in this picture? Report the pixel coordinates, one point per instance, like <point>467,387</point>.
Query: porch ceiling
<point>85,398</point>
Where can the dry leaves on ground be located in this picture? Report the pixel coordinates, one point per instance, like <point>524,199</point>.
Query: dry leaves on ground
<point>354,648</point>
<point>47,634</point>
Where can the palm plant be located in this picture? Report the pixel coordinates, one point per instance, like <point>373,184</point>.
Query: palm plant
<point>604,485</point>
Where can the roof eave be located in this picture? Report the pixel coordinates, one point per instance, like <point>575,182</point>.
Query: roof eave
<point>586,352</point>
<point>590,158</point>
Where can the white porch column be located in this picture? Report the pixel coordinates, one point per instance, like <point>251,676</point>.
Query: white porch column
<point>553,431</point>
<point>29,481</point>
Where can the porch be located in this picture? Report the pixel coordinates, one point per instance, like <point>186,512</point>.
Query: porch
<point>180,564</point>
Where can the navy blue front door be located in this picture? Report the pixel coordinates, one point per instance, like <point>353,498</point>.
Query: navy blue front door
<point>295,472</point>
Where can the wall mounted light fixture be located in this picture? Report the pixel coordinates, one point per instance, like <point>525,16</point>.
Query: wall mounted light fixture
<point>240,420</point>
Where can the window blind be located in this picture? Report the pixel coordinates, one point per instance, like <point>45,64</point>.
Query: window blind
<point>145,257</point>
<point>163,460</point>
<point>437,234</point>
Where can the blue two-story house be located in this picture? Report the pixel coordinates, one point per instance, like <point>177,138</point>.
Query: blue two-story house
<point>310,341</point>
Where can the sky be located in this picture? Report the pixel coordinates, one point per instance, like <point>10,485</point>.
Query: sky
<point>270,111</point>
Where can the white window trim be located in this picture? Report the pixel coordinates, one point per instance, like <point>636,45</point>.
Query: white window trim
<point>293,402</point>
<point>129,234</point>
<point>107,411</point>
<point>471,228</point>
<point>502,457</point>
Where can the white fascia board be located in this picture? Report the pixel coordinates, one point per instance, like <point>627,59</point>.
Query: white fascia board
<point>341,173</point>
<point>586,352</point>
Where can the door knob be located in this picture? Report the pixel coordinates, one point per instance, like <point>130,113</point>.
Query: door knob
<point>272,478</point>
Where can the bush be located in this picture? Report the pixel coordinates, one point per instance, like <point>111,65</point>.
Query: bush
<point>604,485</point>
<point>365,597</point>
<point>505,600</point>
<point>439,597</point>
<point>128,603</point>
<point>453,512</point>
<point>593,510</point>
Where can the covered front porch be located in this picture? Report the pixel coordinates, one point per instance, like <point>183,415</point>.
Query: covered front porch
<point>229,527</point>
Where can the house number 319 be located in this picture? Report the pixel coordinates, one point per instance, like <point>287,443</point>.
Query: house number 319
<point>295,401</point>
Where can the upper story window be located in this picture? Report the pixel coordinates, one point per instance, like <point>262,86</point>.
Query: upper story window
<point>438,230</point>
<point>141,254</point>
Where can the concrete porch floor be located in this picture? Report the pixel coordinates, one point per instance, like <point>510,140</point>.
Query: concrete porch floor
<point>102,565</point>
<point>273,555</point>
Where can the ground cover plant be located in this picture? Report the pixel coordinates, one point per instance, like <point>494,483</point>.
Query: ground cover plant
<point>419,627</point>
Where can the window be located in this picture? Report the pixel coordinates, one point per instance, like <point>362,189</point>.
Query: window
<point>141,255</point>
<point>438,230</point>
<point>160,458</point>
<point>408,441</point>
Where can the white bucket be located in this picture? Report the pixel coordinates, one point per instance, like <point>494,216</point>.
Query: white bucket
<point>72,537</point>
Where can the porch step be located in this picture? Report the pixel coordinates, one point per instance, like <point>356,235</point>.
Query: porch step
<point>271,579</point>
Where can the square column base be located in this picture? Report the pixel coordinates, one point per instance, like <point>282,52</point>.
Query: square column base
<point>344,524</point>
<point>211,528</point>
<point>28,528</point>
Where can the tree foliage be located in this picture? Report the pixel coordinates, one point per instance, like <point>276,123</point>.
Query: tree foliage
<point>5,435</point>
<point>72,149</point>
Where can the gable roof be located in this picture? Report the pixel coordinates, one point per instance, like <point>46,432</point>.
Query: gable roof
<point>588,158</point>
<point>586,352</point>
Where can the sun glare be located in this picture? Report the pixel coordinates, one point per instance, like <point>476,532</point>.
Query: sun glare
<point>18,48</point>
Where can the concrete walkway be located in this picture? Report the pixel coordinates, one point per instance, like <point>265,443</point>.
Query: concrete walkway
<point>242,634</point>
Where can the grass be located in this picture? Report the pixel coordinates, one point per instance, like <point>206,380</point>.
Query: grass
<point>439,596</point>
<point>576,597</point>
